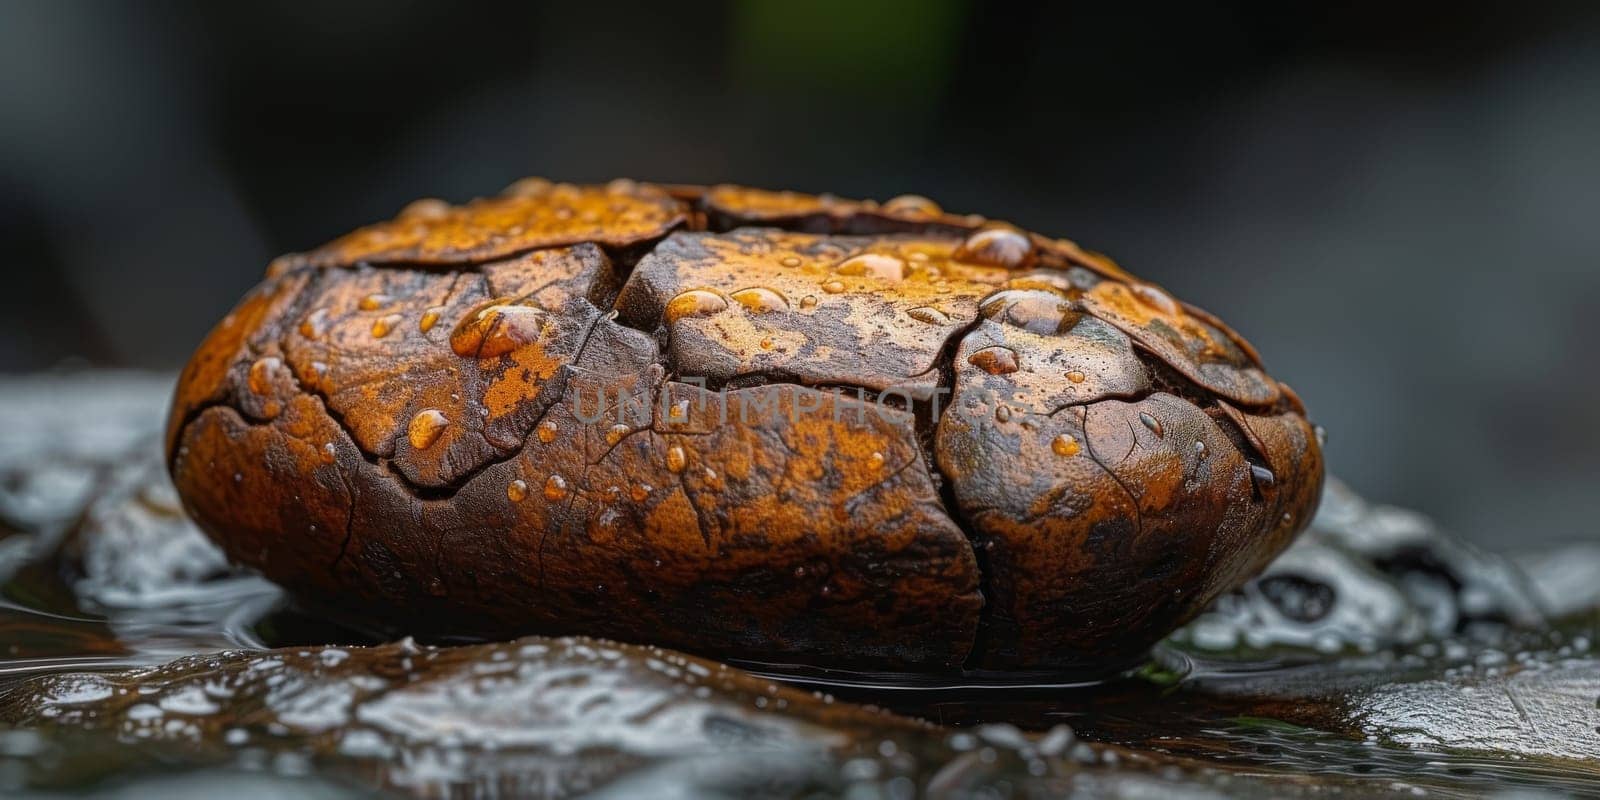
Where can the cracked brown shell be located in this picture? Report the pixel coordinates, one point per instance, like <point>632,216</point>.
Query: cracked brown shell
<point>971,446</point>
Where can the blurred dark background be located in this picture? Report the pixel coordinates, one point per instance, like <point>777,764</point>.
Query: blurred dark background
<point>1399,204</point>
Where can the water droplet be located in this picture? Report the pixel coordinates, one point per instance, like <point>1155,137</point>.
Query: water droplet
<point>995,360</point>
<point>809,301</point>
<point>1033,310</point>
<point>494,329</point>
<point>1002,413</point>
<point>761,300</point>
<point>382,325</point>
<point>875,461</point>
<point>640,491</point>
<point>1156,299</point>
<point>315,324</point>
<point>679,411</point>
<point>516,490</point>
<point>527,187</point>
<point>547,431</point>
<point>833,287</point>
<point>555,488</point>
<point>1152,423</point>
<point>676,459</point>
<point>1065,445</point>
<point>929,314</point>
<point>1075,376</point>
<point>260,378</point>
<point>790,261</point>
<point>427,208</point>
<point>615,433</point>
<point>882,266</point>
<point>912,205</point>
<point>1200,448</point>
<point>425,428</point>
<point>1047,279</point>
<point>694,303</point>
<point>1262,476</point>
<point>996,246</point>
<point>328,453</point>
<point>374,301</point>
<point>429,319</point>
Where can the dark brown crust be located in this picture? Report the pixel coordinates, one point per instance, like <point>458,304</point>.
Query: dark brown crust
<point>970,445</point>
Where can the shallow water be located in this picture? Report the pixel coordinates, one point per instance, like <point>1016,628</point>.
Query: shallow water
<point>1379,657</point>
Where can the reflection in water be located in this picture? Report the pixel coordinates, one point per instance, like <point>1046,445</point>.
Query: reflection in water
<point>1378,657</point>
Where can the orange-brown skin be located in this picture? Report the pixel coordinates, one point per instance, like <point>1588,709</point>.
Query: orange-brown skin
<point>751,424</point>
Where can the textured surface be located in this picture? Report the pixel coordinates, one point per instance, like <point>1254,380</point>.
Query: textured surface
<point>744,423</point>
<point>1438,677</point>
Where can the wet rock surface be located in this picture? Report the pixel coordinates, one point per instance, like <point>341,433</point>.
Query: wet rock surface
<point>1364,578</point>
<point>138,663</point>
<point>544,717</point>
<point>746,424</point>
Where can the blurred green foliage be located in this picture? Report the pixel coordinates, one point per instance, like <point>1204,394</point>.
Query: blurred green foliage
<point>907,48</point>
